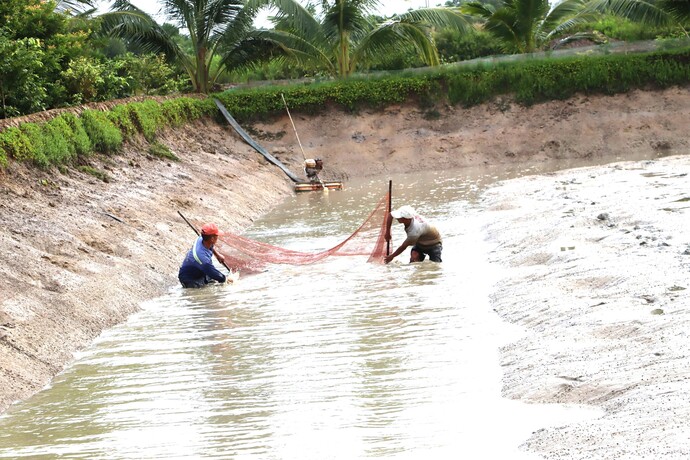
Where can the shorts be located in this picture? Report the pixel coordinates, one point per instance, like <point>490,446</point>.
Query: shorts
<point>195,283</point>
<point>434,252</point>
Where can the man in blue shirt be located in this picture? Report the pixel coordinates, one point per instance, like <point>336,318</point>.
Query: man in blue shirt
<point>197,270</point>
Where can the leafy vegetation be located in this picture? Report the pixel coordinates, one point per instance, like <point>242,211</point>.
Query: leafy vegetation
<point>218,29</point>
<point>68,137</point>
<point>97,173</point>
<point>618,28</point>
<point>346,38</point>
<point>103,133</point>
<point>524,26</point>
<point>51,57</point>
<point>162,151</point>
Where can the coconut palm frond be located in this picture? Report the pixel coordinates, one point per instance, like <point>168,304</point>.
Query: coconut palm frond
<point>526,25</point>
<point>303,51</point>
<point>240,28</point>
<point>478,9</point>
<point>140,30</point>
<point>679,10</point>
<point>501,24</point>
<point>293,16</point>
<point>563,16</point>
<point>345,36</point>
<point>344,18</point>
<point>442,18</point>
<point>136,26</point>
<point>214,27</point>
<point>75,7</point>
<point>393,37</point>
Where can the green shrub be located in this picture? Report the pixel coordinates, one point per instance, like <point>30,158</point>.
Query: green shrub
<point>36,140</point>
<point>248,104</point>
<point>105,137</point>
<point>121,117</point>
<point>147,118</point>
<point>59,147</point>
<point>535,80</point>
<point>97,173</point>
<point>15,144</point>
<point>182,110</point>
<point>80,140</point>
<point>162,151</point>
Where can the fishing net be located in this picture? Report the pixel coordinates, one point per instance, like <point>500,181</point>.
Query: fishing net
<point>251,256</point>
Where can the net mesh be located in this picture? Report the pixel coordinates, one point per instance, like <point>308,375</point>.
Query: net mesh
<point>251,256</point>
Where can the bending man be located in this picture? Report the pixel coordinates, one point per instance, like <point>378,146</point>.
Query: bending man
<point>421,235</point>
<point>197,270</point>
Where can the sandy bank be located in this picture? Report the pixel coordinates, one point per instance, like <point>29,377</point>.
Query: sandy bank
<point>79,255</point>
<point>598,273</point>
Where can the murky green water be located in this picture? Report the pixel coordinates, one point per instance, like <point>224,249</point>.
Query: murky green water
<point>337,360</point>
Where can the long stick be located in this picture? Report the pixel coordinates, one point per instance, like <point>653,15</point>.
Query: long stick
<point>298,141</point>
<point>293,126</point>
<point>198,234</point>
<point>388,214</point>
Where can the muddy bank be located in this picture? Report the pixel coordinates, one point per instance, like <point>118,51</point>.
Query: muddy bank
<point>79,254</point>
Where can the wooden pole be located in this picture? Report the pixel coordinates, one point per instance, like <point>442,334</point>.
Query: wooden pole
<point>294,128</point>
<point>388,213</point>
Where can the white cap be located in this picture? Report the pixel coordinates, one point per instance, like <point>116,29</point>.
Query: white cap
<point>404,212</point>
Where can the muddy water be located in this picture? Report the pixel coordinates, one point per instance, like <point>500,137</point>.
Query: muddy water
<point>340,359</point>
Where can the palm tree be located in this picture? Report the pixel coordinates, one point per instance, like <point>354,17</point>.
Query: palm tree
<point>525,26</point>
<point>345,37</point>
<point>215,28</point>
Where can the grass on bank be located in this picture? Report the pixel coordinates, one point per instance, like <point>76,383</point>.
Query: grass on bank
<point>67,137</point>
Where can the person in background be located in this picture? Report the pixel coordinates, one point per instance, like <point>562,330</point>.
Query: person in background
<point>312,168</point>
<point>197,269</point>
<point>421,235</point>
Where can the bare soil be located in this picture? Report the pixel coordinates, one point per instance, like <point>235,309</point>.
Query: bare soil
<point>80,255</point>
<point>598,264</point>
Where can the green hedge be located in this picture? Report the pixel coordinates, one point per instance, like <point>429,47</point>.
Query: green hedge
<point>530,80</point>
<point>533,81</point>
<point>353,94</point>
<point>67,136</point>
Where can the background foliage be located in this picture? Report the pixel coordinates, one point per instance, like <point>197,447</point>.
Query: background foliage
<point>68,138</point>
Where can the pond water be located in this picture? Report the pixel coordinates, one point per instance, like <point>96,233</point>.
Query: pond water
<point>337,360</point>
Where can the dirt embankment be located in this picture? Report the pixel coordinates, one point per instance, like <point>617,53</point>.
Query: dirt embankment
<point>80,255</point>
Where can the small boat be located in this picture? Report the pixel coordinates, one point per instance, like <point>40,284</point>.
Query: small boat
<point>313,186</point>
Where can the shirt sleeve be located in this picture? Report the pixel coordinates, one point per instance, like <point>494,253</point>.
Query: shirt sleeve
<point>212,272</point>
<point>206,259</point>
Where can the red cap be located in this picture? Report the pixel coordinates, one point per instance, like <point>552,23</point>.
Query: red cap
<point>209,229</point>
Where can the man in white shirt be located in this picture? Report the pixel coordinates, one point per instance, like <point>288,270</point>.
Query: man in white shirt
<point>421,235</point>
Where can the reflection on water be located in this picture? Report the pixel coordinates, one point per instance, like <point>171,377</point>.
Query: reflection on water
<point>340,359</point>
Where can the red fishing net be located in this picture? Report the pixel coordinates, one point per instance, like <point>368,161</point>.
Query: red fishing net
<point>248,256</point>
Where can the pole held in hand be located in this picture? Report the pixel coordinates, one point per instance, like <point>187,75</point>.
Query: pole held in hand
<point>215,253</point>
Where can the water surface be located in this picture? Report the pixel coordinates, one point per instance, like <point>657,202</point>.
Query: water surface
<point>336,360</point>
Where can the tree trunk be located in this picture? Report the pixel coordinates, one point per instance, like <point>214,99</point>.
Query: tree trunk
<point>2,93</point>
<point>201,73</point>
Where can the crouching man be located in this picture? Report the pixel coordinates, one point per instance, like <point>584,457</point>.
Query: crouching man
<point>421,235</point>
<point>197,269</point>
